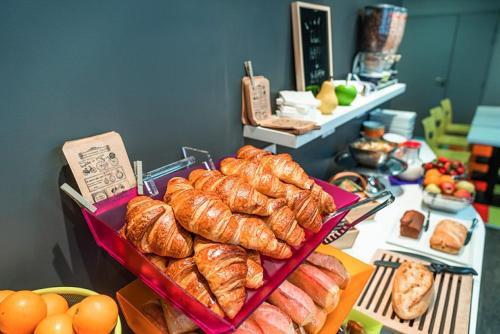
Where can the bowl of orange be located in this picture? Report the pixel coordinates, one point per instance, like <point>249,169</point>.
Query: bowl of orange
<point>58,310</point>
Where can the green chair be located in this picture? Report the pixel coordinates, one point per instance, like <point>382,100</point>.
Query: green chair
<point>442,138</point>
<point>429,125</point>
<point>449,126</point>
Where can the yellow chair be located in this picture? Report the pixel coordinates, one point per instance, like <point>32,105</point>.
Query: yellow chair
<point>429,125</point>
<point>442,138</point>
<point>449,126</point>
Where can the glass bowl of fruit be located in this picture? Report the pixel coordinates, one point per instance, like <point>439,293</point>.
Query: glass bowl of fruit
<point>445,188</point>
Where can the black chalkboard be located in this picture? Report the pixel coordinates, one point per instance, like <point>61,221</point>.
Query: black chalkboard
<point>312,45</point>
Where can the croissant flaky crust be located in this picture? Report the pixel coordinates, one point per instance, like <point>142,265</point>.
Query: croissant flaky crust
<point>255,274</point>
<point>242,197</point>
<point>237,194</point>
<point>203,213</point>
<point>300,201</point>
<point>151,227</point>
<point>225,269</point>
<point>281,165</point>
<point>185,273</point>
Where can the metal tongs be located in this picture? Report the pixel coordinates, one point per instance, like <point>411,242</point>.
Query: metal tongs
<point>342,228</point>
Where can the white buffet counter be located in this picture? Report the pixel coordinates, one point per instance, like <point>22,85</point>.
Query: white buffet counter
<point>374,234</point>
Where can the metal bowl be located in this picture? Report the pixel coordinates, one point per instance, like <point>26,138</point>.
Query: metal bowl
<point>370,158</point>
<point>445,203</point>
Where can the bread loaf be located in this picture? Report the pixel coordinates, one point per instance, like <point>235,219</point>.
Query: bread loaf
<point>449,236</point>
<point>412,290</point>
<point>411,224</point>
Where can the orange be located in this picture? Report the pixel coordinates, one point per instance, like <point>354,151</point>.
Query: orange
<point>55,303</point>
<point>95,315</point>
<point>4,294</point>
<point>55,324</point>
<point>72,310</point>
<point>435,179</point>
<point>433,171</point>
<point>25,305</point>
<point>446,178</point>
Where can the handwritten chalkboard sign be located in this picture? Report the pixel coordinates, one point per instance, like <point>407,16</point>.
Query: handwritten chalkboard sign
<point>312,44</point>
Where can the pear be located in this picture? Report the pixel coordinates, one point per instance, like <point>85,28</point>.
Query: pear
<point>327,97</point>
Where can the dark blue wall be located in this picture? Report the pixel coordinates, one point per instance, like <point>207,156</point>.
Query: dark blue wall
<point>161,73</point>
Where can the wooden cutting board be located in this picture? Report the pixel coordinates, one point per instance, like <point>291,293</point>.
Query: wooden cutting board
<point>449,312</point>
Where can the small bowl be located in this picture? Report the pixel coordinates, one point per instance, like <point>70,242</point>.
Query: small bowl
<point>369,157</point>
<point>373,129</point>
<point>445,202</point>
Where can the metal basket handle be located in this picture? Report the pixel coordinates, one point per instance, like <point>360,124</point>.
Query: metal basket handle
<point>341,229</point>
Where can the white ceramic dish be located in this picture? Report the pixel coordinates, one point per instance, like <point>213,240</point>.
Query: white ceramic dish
<point>422,244</point>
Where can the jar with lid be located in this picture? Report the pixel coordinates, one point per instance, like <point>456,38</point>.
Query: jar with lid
<point>410,153</point>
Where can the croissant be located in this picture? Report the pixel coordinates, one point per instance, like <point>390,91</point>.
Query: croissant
<point>242,197</point>
<point>225,269</point>
<point>205,214</point>
<point>186,275</point>
<point>281,165</point>
<point>284,225</point>
<point>238,195</point>
<point>300,201</point>
<point>254,238</point>
<point>151,227</point>
<point>255,274</point>
<point>323,199</point>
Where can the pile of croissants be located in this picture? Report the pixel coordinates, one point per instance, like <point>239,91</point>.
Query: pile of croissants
<point>209,231</point>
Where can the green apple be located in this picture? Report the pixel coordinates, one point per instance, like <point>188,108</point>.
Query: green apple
<point>433,188</point>
<point>466,185</point>
<point>346,94</point>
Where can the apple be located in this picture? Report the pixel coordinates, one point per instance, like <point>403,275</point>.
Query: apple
<point>465,185</point>
<point>462,193</point>
<point>447,188</point>
<point>433,188</point>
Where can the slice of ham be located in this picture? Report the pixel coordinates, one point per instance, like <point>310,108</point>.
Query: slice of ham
<point>294,302</point>
<point>318,285</point>
<point>249,326</point>
<point>332,267</point>
<point>272,320</point>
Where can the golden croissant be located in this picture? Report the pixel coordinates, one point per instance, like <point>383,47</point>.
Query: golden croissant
<point>255,274</point>
<point>151,227</point>
<point>225,269</point>
<point>185,273</point>
<point>300,201</point>
<point>203,213</point>
<point>240,196</point>
<point>281,165</point>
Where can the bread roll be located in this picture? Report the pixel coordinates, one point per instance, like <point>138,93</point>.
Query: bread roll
<point>272,320</point>
<point>331,266</point>
<point>177,322</point>
<point>249,326</point>
<point>294,302</point>
<point>318,285</point>
<point>317,323</point>
<point>412,290</point>
<point>153,311</point>
<point>449,236</point>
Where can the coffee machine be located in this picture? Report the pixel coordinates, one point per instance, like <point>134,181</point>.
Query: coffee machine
<point>382,29</point>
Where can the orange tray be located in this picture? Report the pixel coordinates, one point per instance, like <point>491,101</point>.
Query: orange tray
<point>135,294</point>
<point>360,273</point>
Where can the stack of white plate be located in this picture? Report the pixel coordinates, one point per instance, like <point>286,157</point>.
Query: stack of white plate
<point>396,121</point>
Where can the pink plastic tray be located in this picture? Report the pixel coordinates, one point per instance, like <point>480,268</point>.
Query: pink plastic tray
<point>109,218</point>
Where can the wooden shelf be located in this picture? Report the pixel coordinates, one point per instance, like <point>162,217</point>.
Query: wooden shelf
<point>328,123</point>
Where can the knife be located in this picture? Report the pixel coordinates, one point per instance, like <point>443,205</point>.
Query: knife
<point>469,232</point>
<point>434,267</point>
<point>426,226</point>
